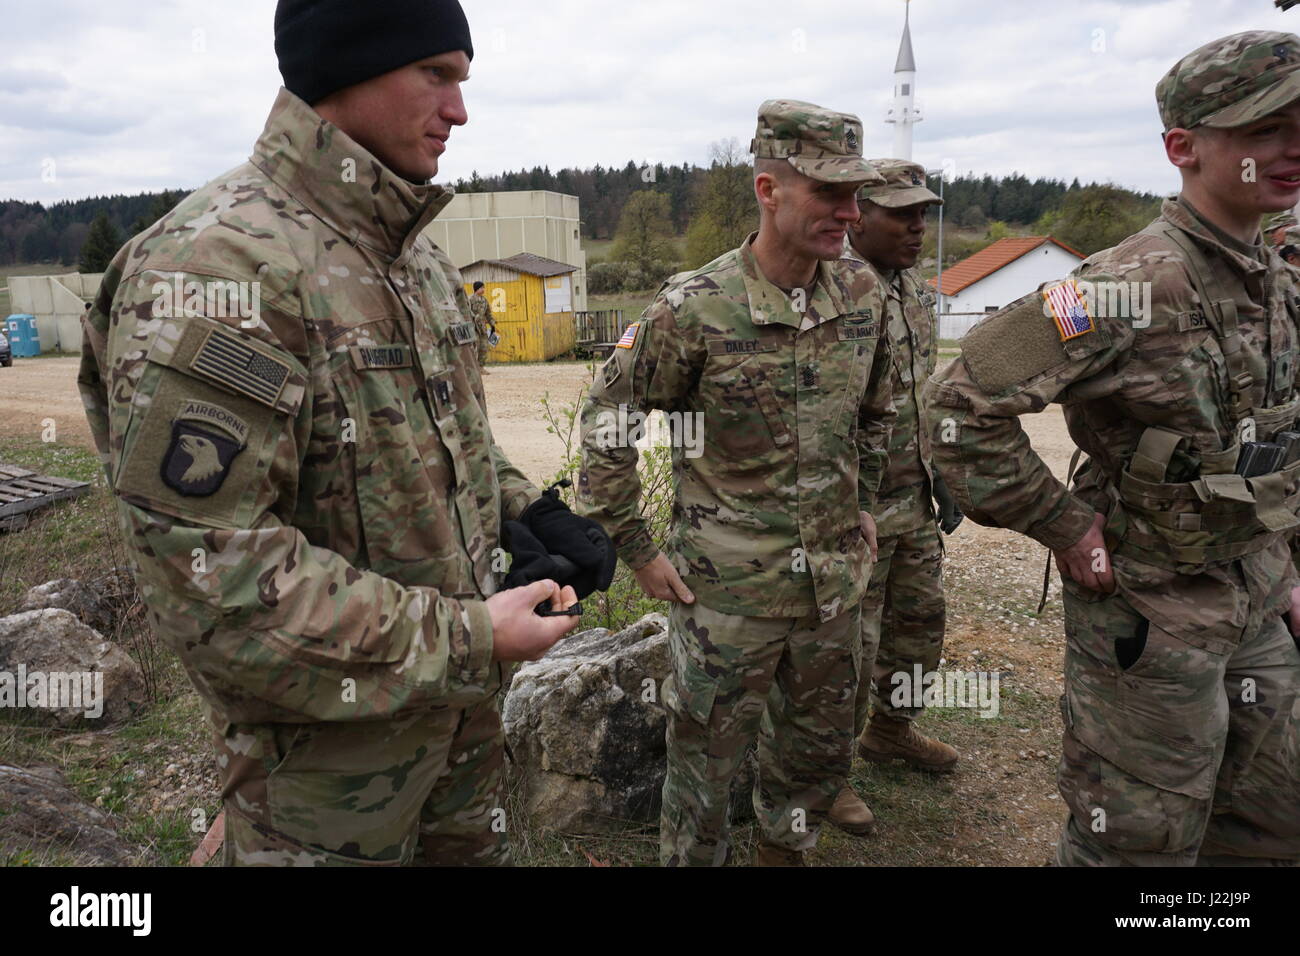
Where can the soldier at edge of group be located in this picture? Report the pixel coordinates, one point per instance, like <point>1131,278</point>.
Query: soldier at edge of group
<point>484,326</point>
<point>903,613</point>
<point>1175,544</point>
<point>310,493</point>
<point>779,346</point>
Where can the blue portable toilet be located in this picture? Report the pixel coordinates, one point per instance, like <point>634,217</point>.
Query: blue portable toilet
<point>23,338</point>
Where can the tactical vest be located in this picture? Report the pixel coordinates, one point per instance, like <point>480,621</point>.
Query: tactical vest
<point>1220,516</point>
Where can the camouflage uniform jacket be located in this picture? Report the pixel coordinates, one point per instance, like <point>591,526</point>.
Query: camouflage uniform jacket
<point>1166,369</point>
<point>480,311</point>
<point>342,520</point>
<point>906,502</point>
<point>796,412</point>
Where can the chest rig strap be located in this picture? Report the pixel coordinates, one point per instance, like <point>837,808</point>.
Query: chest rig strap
<point>1220,312</point>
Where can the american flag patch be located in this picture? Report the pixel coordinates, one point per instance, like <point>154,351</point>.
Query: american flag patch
<point>228,361</point>
<point>1072,318</point>
<point>629,337</point>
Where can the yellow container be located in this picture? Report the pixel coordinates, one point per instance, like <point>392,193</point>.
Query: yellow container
<point>520,298</point>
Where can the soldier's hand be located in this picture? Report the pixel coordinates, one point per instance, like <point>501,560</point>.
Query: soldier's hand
<point>1087,561</point>
<point>659,579</point>
<point>868,526</point>
<point>520,635</point>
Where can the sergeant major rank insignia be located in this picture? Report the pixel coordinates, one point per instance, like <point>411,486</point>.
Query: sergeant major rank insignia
<point>1069,310</point>
<point>205,441</point>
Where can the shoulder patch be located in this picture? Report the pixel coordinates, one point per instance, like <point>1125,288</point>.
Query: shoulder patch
<point>1013,346</point>
<point>226,359</point>
<point>1069,310</point>
<point>629,336</point>
<point>198,459</point>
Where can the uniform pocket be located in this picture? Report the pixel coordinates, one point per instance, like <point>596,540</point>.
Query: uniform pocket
<point>744,409</point>
<point>403,472</point>
<point>855,387</point>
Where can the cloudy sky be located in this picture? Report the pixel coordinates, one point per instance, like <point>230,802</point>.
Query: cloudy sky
<point>95,101</point>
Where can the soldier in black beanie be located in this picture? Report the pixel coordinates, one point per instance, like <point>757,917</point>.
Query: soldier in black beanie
<point>314,494</point>
<point>386,73</point>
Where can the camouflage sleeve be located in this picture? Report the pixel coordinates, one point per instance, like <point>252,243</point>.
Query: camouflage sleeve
<point>875,423</point>
<point>205,424</point>
<point>657,369</point>
<point>1013,363</point>
<point>517,492</point>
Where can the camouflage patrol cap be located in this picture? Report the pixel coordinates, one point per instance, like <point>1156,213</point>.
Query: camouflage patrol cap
<point>1283,220</point>
<point>1231,81</point>
<point>822,144</point>
<point>904,185</point>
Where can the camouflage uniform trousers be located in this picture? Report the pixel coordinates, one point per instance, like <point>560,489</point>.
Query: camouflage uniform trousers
<point>903,619</point>
<point>482,347</point>
<point>365,793</point>
<point>787,681</point>
<point>1174,754</point>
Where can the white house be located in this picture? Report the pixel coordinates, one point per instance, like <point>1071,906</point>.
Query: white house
<point>997,275</point>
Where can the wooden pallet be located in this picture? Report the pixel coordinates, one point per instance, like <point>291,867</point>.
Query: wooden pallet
<point>23,490</point>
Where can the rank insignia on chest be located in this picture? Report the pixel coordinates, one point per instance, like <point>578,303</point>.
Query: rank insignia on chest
<point>206,439</point>
<point>1069,311</point>
<point>629,336</point>
<point>463,333</point>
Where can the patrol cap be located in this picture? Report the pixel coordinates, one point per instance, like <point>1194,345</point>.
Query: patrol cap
<point>1231,81</point>
<point>1283,220</point>
<point>822,144</point>
<point>904,185</point>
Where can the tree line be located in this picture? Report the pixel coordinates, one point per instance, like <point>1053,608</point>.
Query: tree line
<point>678,216</point>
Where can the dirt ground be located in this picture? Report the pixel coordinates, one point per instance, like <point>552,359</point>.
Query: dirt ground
<point>999,808</point>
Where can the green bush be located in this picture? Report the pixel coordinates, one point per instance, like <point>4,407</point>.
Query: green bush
<point>624,603</point>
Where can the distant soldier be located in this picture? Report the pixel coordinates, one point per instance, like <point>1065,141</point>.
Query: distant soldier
<point>481,311</point>
<point>778,347</point>
<point>309,489</point>
<point>903,614</point>
<point>1174,358</point>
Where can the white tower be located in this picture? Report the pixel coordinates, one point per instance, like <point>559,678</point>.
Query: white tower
<point>903,113</point>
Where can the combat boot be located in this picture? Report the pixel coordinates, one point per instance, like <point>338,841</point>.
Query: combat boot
<point>887,738</point>
<point>769,854</point>
<point>851,814</point>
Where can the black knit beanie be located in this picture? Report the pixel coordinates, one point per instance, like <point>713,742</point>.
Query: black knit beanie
<point>325,45</point>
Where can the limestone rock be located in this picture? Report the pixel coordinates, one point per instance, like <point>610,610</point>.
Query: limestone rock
<point>40,815</point>
<point>55,667</point>
<point>585,725</point>
<point>72,595</point>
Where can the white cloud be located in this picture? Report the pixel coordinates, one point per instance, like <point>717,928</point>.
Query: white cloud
<point>179,95</point>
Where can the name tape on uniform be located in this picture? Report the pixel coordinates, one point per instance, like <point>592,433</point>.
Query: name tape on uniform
<point>380,356</point>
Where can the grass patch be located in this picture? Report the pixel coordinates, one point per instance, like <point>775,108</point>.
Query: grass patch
<point>77,538</point>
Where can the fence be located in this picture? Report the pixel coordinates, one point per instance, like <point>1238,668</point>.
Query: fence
<point>603,327</point>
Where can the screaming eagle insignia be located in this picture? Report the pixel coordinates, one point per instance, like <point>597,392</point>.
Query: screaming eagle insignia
<point>205,441</point>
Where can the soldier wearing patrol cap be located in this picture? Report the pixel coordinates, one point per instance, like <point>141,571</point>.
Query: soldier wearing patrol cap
<point>1283,231</point>
<point>1175,542</point>
<point>903,614</point>
<point>778,346</point>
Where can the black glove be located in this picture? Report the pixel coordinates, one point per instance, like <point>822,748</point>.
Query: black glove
<point>560,534</point>
<point>950,515</point>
